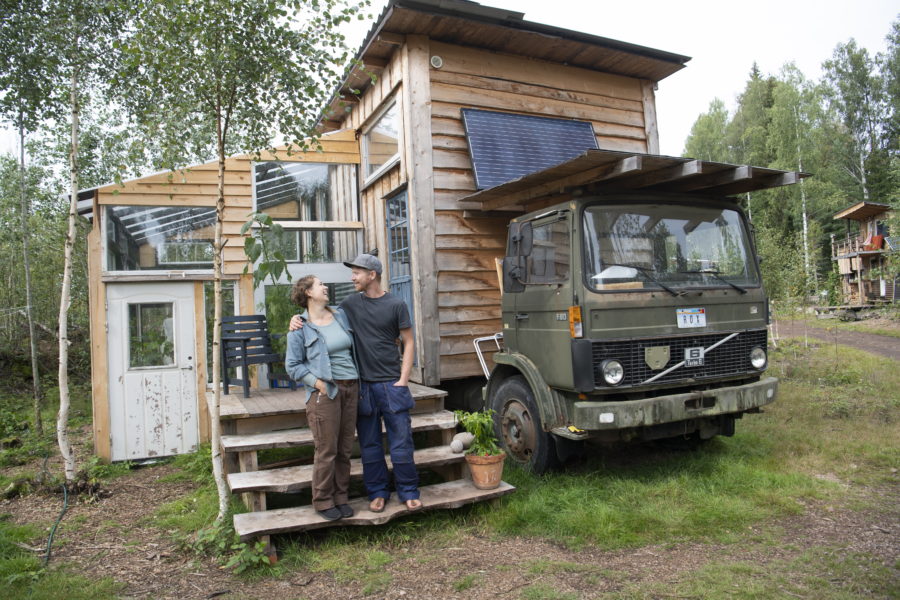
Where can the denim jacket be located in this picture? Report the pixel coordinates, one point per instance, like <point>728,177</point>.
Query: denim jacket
<point>307,355</point>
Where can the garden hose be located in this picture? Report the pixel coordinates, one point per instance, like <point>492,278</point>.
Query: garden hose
<point>58,519</point>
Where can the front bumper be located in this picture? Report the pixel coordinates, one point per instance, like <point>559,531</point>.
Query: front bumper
<point>677,407</point>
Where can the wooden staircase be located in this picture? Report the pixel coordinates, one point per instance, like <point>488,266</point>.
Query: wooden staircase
<point>275,419</point>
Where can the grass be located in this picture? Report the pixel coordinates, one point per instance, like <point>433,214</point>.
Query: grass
<point>22,574</point>
<point>824,573</point>
<point>832,430</point>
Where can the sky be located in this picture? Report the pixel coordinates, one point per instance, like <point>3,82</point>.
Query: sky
<point>724,39</point>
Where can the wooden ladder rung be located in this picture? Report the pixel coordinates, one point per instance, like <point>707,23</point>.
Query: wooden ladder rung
<point>296,478</point>
<point>452,494</point>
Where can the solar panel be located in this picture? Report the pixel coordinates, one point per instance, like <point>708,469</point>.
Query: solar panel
<point>506,146</point>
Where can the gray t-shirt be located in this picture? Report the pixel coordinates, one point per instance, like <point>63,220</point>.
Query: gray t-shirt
<point>376,324</point>
<point>339,347</point>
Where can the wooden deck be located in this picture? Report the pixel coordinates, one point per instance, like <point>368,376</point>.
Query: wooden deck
<point>276,418</point>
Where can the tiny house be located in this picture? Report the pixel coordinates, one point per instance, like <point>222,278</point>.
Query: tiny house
<point>861,254</point>
<point>395,169</point>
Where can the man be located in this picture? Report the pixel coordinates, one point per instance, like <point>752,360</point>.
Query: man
<point>379,319</point>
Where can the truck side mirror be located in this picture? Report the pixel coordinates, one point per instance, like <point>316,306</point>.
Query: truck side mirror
<point>513,274</point>
<point>521,239</point>
<point>527,240</point>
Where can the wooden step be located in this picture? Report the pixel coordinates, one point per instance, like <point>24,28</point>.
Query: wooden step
<point>289,438</point>
<point>293,479</point>
<point>452,494</point>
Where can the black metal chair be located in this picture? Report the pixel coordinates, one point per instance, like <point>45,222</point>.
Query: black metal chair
<point>246,341</point>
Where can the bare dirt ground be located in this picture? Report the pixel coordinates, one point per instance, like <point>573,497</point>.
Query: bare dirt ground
<point>110,538</point>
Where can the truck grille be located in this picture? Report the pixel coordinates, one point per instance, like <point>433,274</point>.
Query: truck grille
<point>731,358</point>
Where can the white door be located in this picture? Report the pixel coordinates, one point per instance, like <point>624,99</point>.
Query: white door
<point>152,383</point>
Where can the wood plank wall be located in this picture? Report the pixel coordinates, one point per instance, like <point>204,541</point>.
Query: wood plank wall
<point>621,110</point>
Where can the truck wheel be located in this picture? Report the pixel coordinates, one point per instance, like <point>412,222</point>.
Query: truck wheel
<point>518,426</point>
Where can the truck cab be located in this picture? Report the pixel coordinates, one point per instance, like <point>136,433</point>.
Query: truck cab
<point>628,315</point>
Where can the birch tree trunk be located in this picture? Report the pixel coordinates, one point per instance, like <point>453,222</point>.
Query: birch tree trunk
<point>62,419</point>
<point>29,303</point>
<point>215,426</point>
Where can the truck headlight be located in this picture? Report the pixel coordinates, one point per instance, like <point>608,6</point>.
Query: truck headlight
<point>758,358</point>
<point>612,371</point>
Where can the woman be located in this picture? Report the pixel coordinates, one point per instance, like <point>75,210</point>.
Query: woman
<point>321,355</point>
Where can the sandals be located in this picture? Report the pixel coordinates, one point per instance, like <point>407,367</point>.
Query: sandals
<point>413,504</point>
<point>377,505</point>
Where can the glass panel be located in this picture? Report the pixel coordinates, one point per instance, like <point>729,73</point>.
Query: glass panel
<point>313,246</point>
<point>549,260</point>
<point>294,190</point>
<point>142,238</point>
<point>652,246</point>
<point>151,341</point>
<point>381,142</point>
<point>210,307</point>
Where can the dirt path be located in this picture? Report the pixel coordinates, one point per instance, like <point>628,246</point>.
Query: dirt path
<point>883,345</point>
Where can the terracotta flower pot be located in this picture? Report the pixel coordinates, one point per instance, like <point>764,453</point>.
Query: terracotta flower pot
<point>486,471</point>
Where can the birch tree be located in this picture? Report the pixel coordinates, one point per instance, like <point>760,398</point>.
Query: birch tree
<point>27,99</point>
<point>238,72</point>
<point>78,35</point>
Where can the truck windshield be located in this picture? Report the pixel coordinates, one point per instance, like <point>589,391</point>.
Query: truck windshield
<point>666,246</point>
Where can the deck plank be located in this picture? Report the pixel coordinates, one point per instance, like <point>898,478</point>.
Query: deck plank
<point>281,401</point>
<point>452,494</point>
<point>295,478</point>
<point>302,437</point>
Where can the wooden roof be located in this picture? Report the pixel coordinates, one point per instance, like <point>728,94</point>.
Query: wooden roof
<point>607,170</point>
<point>476,26</point>
<point>862,211</point>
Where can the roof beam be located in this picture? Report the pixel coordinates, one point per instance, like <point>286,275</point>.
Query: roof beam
<point>767,182</point>
<point>625,166</point>
<point>721,178</point>
<point>674,173</point>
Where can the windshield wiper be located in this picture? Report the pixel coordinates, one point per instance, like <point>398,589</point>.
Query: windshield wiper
<point>717,275</point>
<point>646,272</point>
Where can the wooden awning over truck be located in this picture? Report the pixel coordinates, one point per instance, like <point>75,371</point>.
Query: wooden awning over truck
<point>607,170</point>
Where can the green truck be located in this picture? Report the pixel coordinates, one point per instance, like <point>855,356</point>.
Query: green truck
<point>627,316</point>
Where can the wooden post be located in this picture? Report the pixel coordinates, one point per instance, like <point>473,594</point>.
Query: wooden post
<point>418,163</point>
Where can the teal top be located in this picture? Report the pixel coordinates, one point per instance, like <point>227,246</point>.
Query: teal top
<point>339,344</point>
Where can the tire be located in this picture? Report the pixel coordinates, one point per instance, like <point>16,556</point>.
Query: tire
<point>517,424</point>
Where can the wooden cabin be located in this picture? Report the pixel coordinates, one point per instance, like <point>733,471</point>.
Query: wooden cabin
<point>392,173</point>
<point>861,255</point>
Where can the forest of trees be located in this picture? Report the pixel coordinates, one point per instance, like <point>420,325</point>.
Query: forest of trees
<point>843,129</point>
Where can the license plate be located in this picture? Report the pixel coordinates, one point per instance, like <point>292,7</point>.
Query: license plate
<point>690,317</point>
<point>693,357</point>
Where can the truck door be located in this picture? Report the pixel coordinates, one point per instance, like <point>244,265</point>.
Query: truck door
<point>541,309</point>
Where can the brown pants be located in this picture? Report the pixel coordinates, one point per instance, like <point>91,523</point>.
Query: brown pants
<point>333,425</point>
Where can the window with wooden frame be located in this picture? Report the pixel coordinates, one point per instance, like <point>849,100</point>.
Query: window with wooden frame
<point>316,206</point>
<point>381,142</point>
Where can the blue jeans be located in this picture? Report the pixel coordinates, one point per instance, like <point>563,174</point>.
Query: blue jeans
<point>382,400</point>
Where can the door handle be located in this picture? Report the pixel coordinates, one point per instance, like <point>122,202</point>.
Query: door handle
<point>521,316</point>
<point>187,368</point>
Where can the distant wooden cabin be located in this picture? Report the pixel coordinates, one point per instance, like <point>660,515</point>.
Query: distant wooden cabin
<point>861,254</point>
<point>394,165</point>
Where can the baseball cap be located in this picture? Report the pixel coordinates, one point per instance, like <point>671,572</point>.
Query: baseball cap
<point>365,261</point>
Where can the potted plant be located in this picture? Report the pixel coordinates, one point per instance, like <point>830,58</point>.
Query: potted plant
<point>484,456</point>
